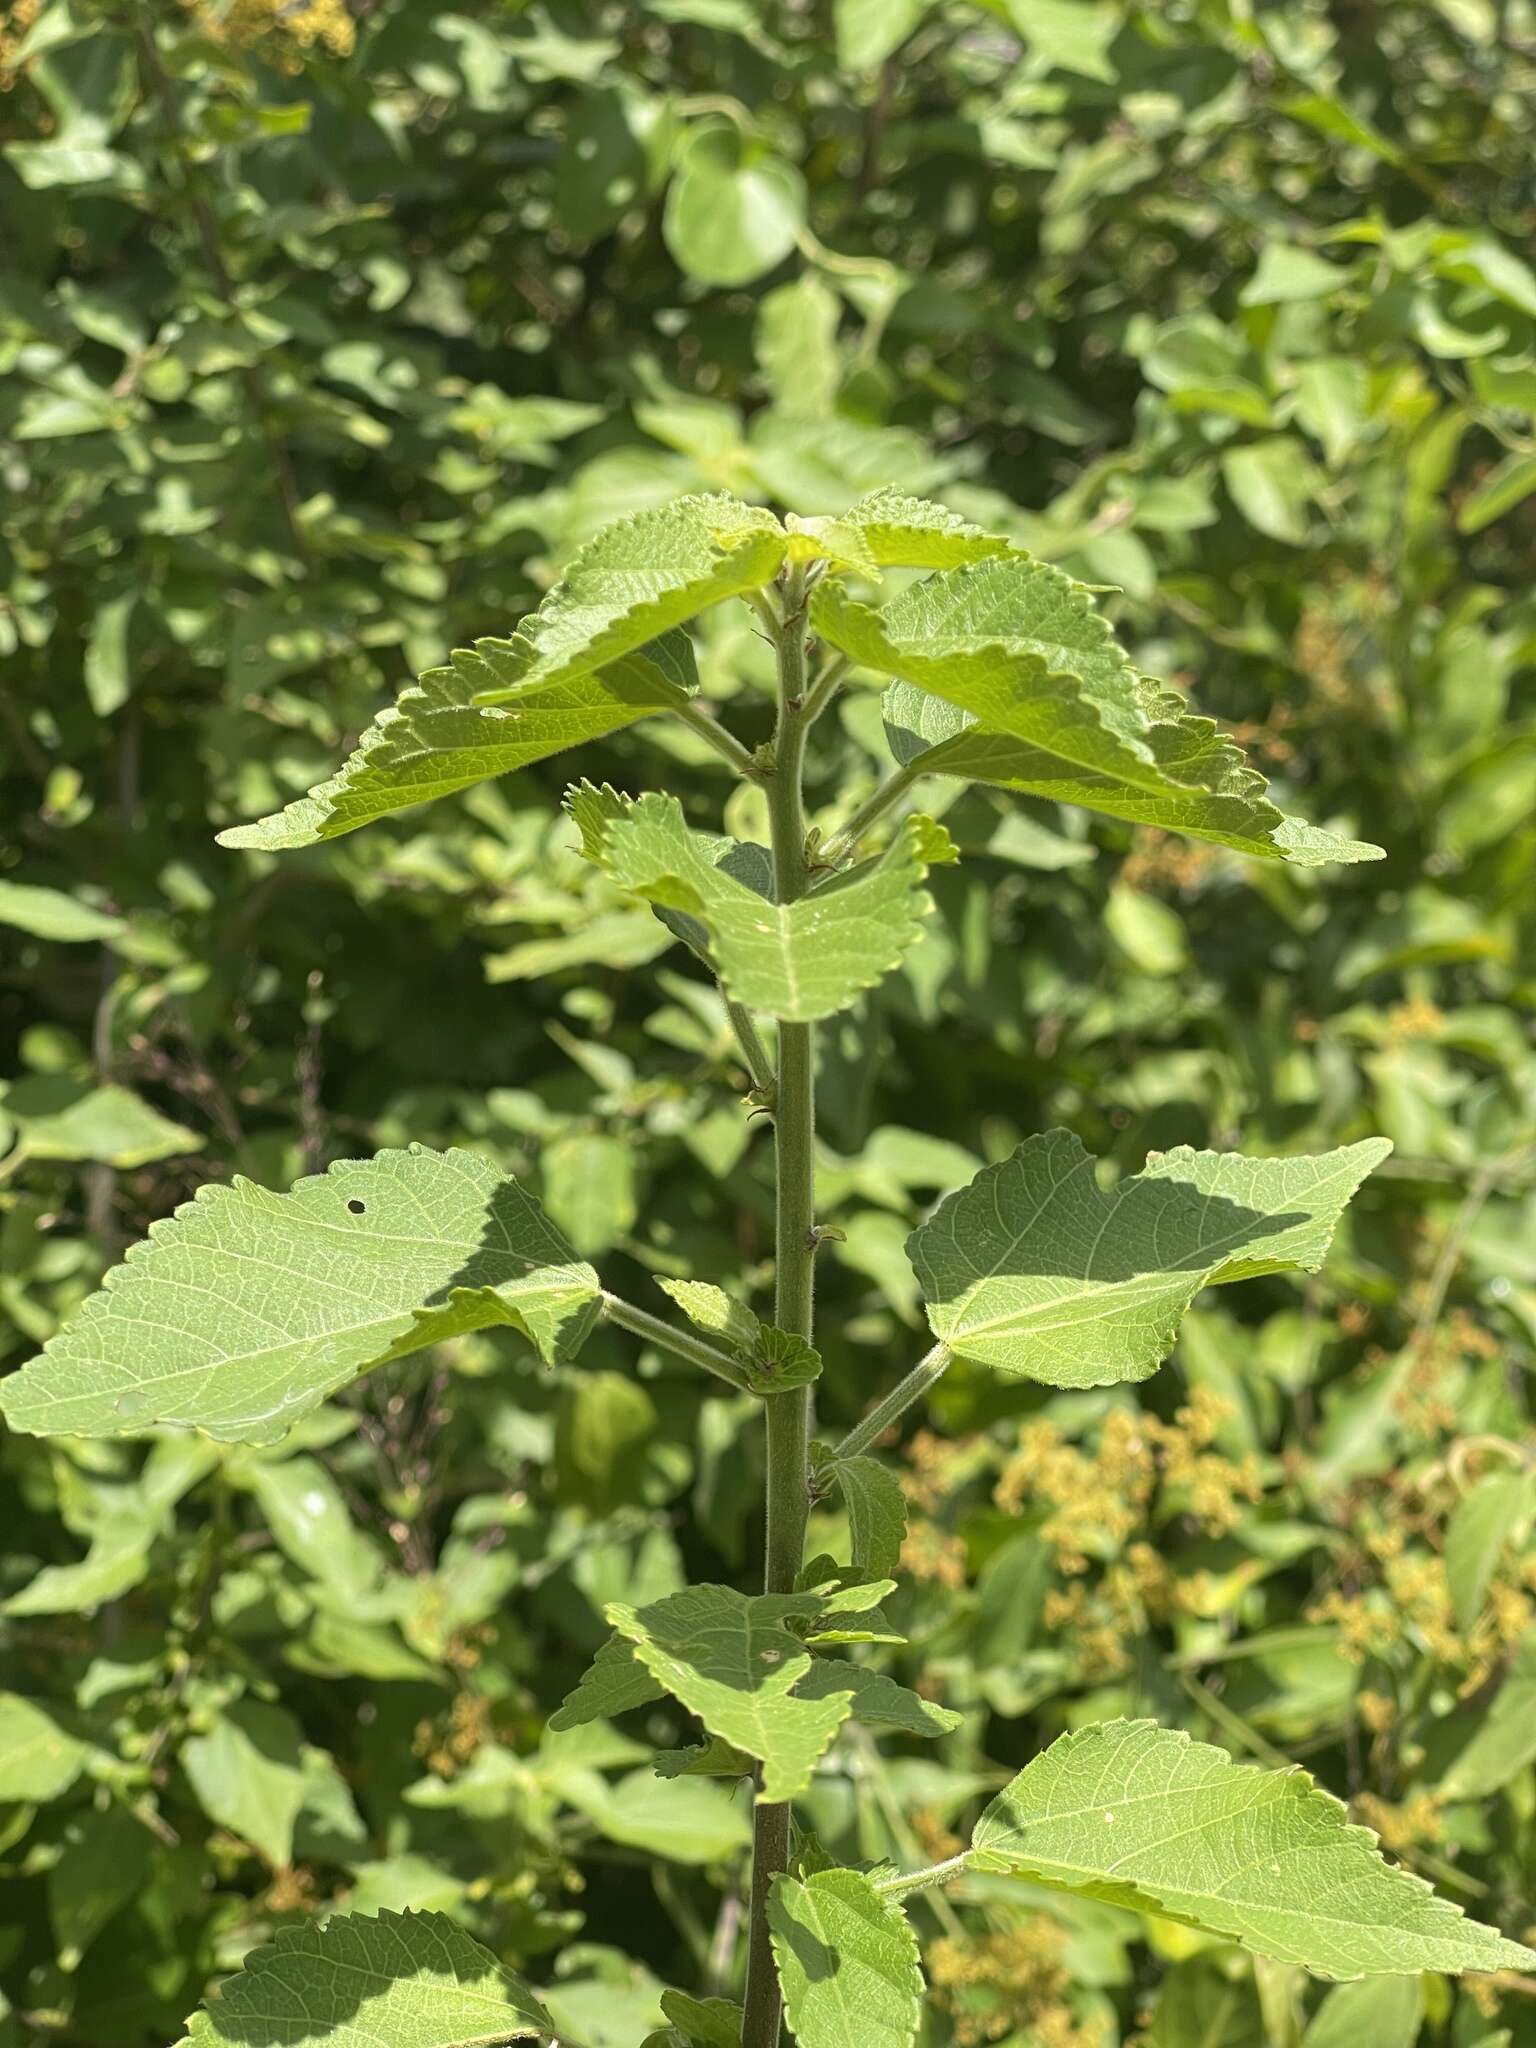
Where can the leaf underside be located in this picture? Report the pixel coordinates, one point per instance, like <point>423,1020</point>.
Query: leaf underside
<point>1037,1270</point>
<point>1142,1816</point>
<point>403,1978</point>
<point>247,1308</point>
<point>1037,696</point>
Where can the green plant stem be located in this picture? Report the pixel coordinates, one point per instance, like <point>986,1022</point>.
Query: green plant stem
<point>710,730</point>
<point>826,687</point>
<point>787,1415</point>
<point>928,1369</point>
<point>753,1050</point>
<point>885,798</point>
<point>680,1342</point>
<point>901,1883</point>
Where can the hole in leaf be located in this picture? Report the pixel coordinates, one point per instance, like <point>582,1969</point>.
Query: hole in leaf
<point>357,1208</point>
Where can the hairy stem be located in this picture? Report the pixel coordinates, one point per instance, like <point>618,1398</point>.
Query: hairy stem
<point>788,1415</point>
<point>885,798</point>
<point>709,729</point>
<point>753,1050</point>
<point>681,1343</point>
<point>923,1375</point>
<point>901,1883</point>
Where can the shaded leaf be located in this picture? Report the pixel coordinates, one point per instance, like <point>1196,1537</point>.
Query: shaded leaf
<point>356,1981</point>
<point>847,1962</point>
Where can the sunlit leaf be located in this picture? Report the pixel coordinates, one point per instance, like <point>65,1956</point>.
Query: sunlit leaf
<point>1141,1816</point>
<point>1036,1270</point>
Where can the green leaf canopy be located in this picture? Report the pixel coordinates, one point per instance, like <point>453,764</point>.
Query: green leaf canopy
<point>415,1980</point>
<point>847,1962</point>
<point>1143,1817</point>
<point>246,1308</point>
<point>1036,1270</point>
<point>796,961</point>
<point>1042,699</point>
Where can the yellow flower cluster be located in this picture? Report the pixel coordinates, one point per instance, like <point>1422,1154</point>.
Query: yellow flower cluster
<point>446,1749</point>
<point>15,21</point>
<point>1099,1498</point>
<point>1012,1984</point>
<point>289,29</point>
<point>1414,1824</point>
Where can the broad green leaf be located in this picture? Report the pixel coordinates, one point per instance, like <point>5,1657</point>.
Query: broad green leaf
<point>117,1560</point>
<point>878,1700</point>
<point>1377,2012</point>
<point>877,1512</point>
<point>796,961</point>
<point>246,1308</point>
<point>1037,1270</point>
<point>1270,482</point>
<point>589,1189</point>
<point>437,739</point>
<point>1048,704</point>
<point>614,1682</point>
<point>638,578</point>
<point>103,1861</point>
<point>773,1359</point>
<point>703,2022</point>
<point>734,207</point>
<point>687,1820</point>
<point>1143,1817</point>
<point>38,1760</point>
<point>1504,1739</point>
<point>729,1659</point>
<point>50,914</point>
<point>1496,1513</point>
<point>902,532</point>
<point>254,1774</point>
<point>847,1962</point>
<point>60,1118</point>
<point>414,1980</point>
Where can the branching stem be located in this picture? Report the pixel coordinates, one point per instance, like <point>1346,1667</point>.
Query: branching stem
<point>885,798</point>
<point>902,1883</point>
<point>928,1369</point>
<point>753,1050</point>
<point>681,1343</point>
<point>714,734</point>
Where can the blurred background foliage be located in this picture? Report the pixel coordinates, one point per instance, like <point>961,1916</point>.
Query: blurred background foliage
<point>329,328</point>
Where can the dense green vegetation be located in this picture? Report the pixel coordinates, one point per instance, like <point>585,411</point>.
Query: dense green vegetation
<point>329,337</point>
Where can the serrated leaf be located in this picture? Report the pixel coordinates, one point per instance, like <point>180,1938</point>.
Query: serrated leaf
<point>878,1700</point>
<point>1495,1514</point>
<point>774,1360</point>
<point>795,961</point>
<point>638,578</point>
<point>847,1962</point>
<point>613,1683</point>
<point>1036,1270</point>
<point>729,1659</point>
<point>877,1512</point>
<point>437,739</point>
<point>1143,1817</point>
<point>38,1758</point>
<point>703,2022</point>
<point>415,1980</point>
<point>246,1308</point>
<point>902,532</point>
<point>1053,707</point>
